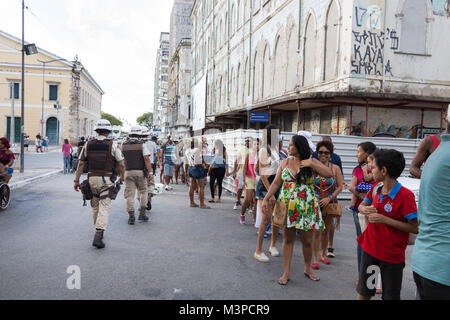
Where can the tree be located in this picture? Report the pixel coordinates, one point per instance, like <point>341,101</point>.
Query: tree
<point>145,120</point>
<point>114,121</point>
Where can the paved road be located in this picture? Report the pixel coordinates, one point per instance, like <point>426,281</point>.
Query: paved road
<point>47,160</point>
<point>182,253</point>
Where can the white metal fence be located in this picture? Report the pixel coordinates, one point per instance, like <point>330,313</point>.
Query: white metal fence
<point>345,147</point>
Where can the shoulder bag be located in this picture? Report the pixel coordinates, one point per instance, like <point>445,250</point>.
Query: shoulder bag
<point>279,217</point>
<point>334,208</point>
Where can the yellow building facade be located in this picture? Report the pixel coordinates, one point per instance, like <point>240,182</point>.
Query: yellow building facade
<point>62,100</point>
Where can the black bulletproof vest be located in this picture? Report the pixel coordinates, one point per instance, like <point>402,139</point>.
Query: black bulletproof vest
<point>132,152</point>
<point>99,156</point>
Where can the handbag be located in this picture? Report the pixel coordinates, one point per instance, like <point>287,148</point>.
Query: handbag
<point>333,209</point>
<point>279,218</point>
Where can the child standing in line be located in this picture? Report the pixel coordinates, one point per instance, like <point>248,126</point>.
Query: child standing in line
<point>392,214</point>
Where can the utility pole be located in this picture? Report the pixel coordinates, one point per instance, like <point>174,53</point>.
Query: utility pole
<point>22,118</point>
<point>13,122</point>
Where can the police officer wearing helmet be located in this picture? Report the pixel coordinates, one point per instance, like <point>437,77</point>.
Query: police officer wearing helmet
<point>137,160</point>
<point>103,157</point>
<point>151,146</point>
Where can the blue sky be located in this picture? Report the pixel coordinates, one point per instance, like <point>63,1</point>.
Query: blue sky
<point>116,40</point>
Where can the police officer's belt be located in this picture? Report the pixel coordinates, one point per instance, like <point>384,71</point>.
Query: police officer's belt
<point>99,175</point>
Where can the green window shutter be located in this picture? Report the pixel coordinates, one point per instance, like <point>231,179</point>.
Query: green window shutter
<point>53,92</point>
<point>16,90</point>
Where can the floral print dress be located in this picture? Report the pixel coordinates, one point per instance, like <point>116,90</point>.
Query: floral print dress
<point>303,207</point>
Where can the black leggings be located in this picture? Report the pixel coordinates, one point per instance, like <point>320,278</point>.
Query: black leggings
<point>219,174</point>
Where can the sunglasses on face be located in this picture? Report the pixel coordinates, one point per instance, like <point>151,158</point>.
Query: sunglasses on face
<point>327,153</point>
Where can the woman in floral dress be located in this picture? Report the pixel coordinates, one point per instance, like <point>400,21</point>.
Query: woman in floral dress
<point>296,177</point>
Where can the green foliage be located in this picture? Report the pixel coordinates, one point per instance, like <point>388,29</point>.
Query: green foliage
<point>114,121</point>
<point>145,120</point>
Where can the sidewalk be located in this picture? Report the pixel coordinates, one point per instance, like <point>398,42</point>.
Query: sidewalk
<point>29,175</point>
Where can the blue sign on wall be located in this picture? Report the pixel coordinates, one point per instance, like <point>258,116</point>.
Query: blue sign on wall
<point>259,117</point>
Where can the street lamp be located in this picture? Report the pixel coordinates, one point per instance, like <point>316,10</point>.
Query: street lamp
<point>28,49</point>
<point>43,89</point>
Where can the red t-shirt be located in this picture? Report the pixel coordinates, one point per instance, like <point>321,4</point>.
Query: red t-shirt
<point>6,156</point>
<point>384,242</point>
<point>359,174</point>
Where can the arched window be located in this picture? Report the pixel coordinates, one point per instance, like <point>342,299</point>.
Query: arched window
<point>266,73</point>
<point>413,38</point>
<point>238,15</point>
<point>256,77</point>
<point>309,58</point>
<point>279,72</point>
<point>292,55</point>
<point>233,21</point>
<point>238,85</point>
<point>221,34</point>
<point>245,82</point>
<point>331,42</point>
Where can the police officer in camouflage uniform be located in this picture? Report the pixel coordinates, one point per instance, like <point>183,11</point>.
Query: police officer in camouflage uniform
<point>103,158</point>
<point>138,171</point>
<point>151,146</point>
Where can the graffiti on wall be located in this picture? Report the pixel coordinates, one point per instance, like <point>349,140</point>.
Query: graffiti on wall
<point>369,40</point>
<point>441,7</point>
<point>369,17</point>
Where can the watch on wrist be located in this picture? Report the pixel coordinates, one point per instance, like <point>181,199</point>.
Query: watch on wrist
<point>76,181</point>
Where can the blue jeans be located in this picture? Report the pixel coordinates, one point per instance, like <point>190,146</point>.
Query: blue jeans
<point>358,233</point>
<point>66,164</point>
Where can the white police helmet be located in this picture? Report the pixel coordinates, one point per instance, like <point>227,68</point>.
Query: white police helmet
<point>136,130</point>
<point>103,124</point>
<point>145,131</point>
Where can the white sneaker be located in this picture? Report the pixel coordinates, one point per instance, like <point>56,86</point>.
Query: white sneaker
<point>236,206</point>
<point>274,252</point>
<point>261,257</point>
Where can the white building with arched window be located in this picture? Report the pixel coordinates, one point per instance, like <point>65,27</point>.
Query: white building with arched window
<point>357,67</point>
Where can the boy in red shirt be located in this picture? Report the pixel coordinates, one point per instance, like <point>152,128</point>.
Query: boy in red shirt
<point>392,214</point>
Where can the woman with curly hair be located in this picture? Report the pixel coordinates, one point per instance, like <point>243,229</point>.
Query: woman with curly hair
<point>6,160</point>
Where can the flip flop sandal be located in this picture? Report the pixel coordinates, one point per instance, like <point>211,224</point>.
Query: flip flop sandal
<point>211,201</point>
<point>205,207</point>
<point>194,206</point>
<point>309,277</point>
<point>283,284</point>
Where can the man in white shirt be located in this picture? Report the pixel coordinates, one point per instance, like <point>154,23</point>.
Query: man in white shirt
<point>151,147</point>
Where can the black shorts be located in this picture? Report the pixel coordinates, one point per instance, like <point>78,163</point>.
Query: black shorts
<point>391,277</point>
<point>430,290</point>
<point>261,191</point>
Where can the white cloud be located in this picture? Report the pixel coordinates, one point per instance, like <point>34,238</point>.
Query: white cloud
<point>116,40</point>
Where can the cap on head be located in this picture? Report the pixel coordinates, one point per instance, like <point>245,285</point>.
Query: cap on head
<point>135,131</point>
<point>145,131</point>
<point>308,137</point>
<point>103,124</point>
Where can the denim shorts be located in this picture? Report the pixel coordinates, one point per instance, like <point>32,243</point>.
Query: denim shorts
<point>261,191</point>
<point>196,172</point>
<point>168,169</point>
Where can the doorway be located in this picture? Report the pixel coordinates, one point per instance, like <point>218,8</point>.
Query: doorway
<point>52,131</point>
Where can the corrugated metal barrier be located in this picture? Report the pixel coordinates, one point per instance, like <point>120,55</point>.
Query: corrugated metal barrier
<point>345,147</point>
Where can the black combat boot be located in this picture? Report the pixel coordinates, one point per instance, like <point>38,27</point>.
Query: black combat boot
<point>149,202</point>
<point>132,218</point>
<point>98,239</point>
<point>142,215</point>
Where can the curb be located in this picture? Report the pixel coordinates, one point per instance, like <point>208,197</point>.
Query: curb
<point>24,182</point>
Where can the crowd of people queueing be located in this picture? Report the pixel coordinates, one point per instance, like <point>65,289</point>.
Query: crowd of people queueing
<point>308,178</point>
